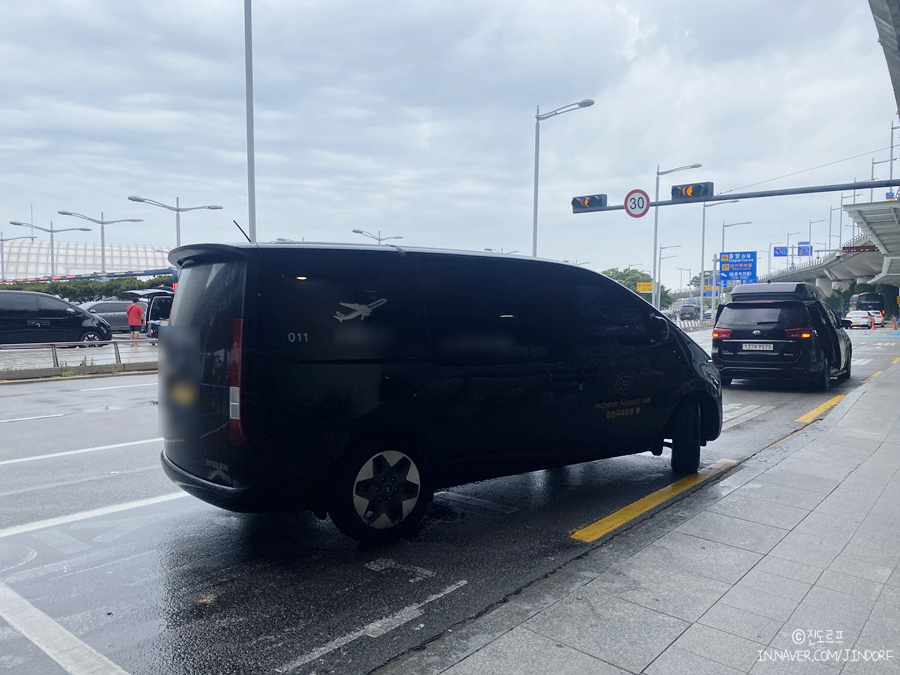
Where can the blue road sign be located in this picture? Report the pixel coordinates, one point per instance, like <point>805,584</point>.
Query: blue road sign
<point>739,266</point>
<point>780,251</point>
<point>804,250</point>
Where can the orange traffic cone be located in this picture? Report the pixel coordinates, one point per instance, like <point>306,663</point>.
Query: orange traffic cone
<point>872,324</point>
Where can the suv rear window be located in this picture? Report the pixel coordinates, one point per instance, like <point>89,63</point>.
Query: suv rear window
<point>788,315</point>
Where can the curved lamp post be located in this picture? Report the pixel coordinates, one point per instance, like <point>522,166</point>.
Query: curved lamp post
<point>51,231</point>
<point>494,250</point>
<point>178,209</point>
<point>655,295</point>
<point>659,260</point>
<point>102,223</point>
<point>703,249</point>
<point>377,237</point>
<point>538,117</point>
<point>721,280</point>
<point>2,261</point>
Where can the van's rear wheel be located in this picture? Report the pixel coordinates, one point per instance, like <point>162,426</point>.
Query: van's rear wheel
<point>686,438</point>
<point>822,380</point>
<point>380,494</point>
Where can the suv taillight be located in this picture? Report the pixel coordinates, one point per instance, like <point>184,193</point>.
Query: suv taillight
<point>798,333</point>
<point>721,332</point>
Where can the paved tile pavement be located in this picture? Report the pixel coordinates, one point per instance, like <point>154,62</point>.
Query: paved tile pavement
<point>791,564</point>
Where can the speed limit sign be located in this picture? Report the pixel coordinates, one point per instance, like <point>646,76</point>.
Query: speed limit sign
<point>637,203</point>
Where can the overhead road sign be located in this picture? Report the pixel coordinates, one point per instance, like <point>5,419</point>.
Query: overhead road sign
<point>866,248</point>
<point>637,203</point>
<point>738,266</point>
<point>780,252</point>
<point>804,251</point>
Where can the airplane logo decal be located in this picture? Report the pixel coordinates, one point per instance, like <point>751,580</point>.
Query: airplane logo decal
<point>359,311</point>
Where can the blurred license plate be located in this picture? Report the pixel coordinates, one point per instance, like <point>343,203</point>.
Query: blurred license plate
<point>757,347</point>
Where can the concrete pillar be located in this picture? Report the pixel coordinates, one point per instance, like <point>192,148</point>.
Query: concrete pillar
<point>824,285</point>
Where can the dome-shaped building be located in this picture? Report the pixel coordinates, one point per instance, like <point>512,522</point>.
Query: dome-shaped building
<point>27,259</point>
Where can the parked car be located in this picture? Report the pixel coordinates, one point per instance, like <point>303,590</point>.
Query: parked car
<point>158,305</point>
<point>355,380</point>
<point>859,319</point>
<point>113,311</point>
<point>780,331</point>
<point>877,317</point>
<point>30,317</point>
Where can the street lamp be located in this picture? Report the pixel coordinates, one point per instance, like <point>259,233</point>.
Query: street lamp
<point>658,265</point>
<point>724,225</point>
<point>2,261</point>
<point>51,231</point>
<point>852,196</point>
<point>586,103</point>
<point>655,296</point>
<point>493,250</point>
<point>703,248</point>
<point>809,239</point>
<point>771,244</point>
<point>377,237</point>
<point>102,223</point>
<point>178,209</point>
<point>789,247</point>
<point>681,278</point>
<point>575,262</point>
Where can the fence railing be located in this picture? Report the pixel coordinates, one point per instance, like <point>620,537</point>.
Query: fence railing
<point>61,359</point>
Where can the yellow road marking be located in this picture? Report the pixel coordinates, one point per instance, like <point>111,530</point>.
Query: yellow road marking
<point>628,513</point>
<point>813,414</point>
<point>897,360</point>
<point>873,376</point>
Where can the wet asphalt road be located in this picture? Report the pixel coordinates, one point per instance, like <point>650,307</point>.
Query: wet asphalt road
<point>102,545</point>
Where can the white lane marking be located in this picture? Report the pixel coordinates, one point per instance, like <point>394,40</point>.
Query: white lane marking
<point>26,419</point>
<point>372,630</point>
<point>93,513</point>
<point>744,414</point>
<point>860,362</point>
<point>472,501</point>
<point>123,386</point>
<point>78,452</point>
<point>416,573</point>
<point>73,655</point>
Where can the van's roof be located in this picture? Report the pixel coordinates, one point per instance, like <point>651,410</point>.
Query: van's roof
<point>781,290</point>
<point>179,255</point>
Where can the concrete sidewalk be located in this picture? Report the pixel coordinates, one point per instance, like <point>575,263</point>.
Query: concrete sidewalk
<point>788,565</point>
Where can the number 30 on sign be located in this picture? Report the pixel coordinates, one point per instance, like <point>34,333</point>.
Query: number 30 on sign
<point>637,203</point>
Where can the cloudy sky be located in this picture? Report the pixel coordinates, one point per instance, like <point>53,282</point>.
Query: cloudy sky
<point>415,118</point>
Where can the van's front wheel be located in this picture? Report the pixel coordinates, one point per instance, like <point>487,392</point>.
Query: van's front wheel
<point>380,493</point>
<point>686,438</point>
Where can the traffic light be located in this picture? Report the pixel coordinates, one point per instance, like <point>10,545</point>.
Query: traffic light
<point>589,203</point>
<point>692,192</point>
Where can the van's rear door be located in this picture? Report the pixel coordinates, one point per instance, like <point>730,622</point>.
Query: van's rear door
<point>200,362</point>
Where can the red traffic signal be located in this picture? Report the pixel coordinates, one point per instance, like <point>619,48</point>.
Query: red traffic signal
<point>588,203</point>
<point>692,192</point>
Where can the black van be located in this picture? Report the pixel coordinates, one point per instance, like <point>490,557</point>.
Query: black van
<point>30,317</point>
<point>355,380</point>
<point>780,331</point>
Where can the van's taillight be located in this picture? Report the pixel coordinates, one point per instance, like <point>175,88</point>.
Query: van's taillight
<point>798,333</point>
<point>721,332</point>
<point>234,382</point>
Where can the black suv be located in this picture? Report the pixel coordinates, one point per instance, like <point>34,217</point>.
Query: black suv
<point>780,331</point>
<point>28,317</point>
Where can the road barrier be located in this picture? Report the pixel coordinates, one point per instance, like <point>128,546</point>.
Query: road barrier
<point>68,359</point>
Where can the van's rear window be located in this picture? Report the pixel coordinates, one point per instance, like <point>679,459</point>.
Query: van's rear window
<point>787,315</point>
<point>209,299</point>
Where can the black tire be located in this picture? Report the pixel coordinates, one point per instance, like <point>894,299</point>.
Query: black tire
<point>846,374</point>
<point>90,336</point>
<point>686,438</point>
<point>380,493</point>
<point>823,380</point>
<point>725,381</point>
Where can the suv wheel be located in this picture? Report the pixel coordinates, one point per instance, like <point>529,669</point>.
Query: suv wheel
<point>686,438</point>
<point>380,493</point>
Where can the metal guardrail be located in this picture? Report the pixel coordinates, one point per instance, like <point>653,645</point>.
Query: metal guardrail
<point>66,359</point>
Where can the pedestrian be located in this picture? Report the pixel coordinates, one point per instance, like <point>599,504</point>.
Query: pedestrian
<point>136,320</point>
<point>894,322</point>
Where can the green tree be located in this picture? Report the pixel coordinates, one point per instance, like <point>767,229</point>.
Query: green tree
<point>85,290</point>
<point>630,277</point>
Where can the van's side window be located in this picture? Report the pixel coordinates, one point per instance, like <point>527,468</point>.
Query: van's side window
<point>49,307</point>
<point>612,321</point>
<point>472,310</point>
<point>17,304</point>
<point>341,306</point>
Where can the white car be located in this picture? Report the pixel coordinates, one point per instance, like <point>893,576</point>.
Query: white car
<point>859,319</point>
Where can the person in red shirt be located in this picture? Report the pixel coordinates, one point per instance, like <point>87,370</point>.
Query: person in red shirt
<point>136,320</point>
